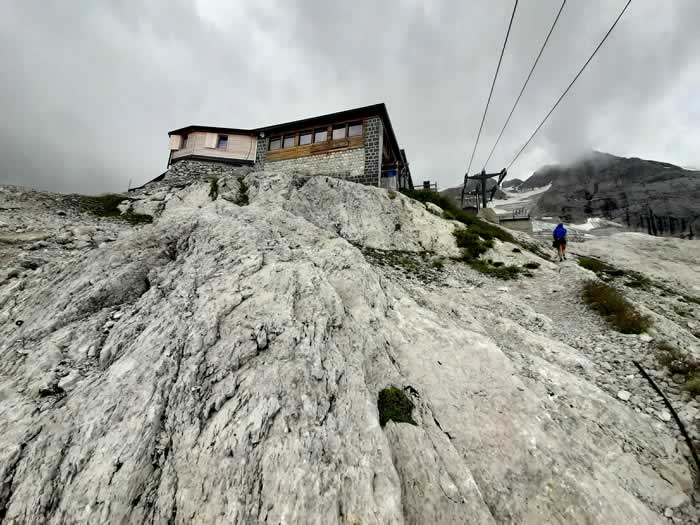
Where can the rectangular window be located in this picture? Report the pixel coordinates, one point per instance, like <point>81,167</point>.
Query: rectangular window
<point>305,138</point>
<point>183,144</point>
<point>354,129</point>
<point>321,135</point>
<point>275,143</point>
<point>288,141</point>
<point>339,132</point>
<point>222,142</point>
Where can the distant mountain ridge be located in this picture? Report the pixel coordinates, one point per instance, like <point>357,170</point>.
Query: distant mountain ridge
<point>657,197</point>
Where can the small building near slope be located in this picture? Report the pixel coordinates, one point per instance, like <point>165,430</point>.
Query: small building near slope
<point>358,145</point>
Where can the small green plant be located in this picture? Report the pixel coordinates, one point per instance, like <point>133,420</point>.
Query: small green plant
<point>612,305</point>
<point>679,362</point>
<point>532,265</point>
<point>107,205</point>
<point>499,272</point>
<point>407,263</point>
<point>242,199</point>
<point>693,386</point>
<point>665,346</point>
<point>213,188</point>
<point>484,229</point>
<point>472,244</point>
<point>447,214</point>
<point>439,263</point>
<point>391,194</point>
<point>595,265</point>
<point>395,406</point>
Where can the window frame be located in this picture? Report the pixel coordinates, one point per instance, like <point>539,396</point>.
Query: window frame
<point>273,139</point>
<point>343,127</point>
<point>218,142</point>
<point>355,123</point>
<point>286,136</point>
<point>310,133</point>
<point>317,130</point>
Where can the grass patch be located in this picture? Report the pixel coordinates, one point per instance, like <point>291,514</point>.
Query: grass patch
<point>499,272</point>
<point>598,267</point>
<point>478,235</point>
<point>392,194</point>
<point>107,205</point>
<point>213,188</point>
<point>679,362</point>
<point>594,265</point>
<point>407,263</point>
<point>452,212</point>
<point>532,265</point>
<point>395,406</point>
<point>612,305</point>
<point>471,243</point>
<point>693,386</point>
<point>438,264</point>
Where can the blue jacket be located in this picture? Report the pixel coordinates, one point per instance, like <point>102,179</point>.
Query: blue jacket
<point>559,232</point>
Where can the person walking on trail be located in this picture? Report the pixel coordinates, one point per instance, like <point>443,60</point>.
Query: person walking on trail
<point>559,243</point>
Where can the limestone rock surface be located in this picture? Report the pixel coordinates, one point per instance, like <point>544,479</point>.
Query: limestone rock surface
<point>222,365</point>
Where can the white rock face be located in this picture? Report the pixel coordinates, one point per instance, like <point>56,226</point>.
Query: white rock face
<point>222,365</point>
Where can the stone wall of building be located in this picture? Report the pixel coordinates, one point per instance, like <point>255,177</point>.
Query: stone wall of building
<point>261,152</point>
<point>374,135</point>
<point>192,169</point>
<point>346,164</point>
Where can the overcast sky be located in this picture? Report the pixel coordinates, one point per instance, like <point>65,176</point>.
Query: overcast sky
<point>89,89</point>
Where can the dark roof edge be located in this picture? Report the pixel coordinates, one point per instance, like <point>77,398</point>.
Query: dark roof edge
<point>213,129</point>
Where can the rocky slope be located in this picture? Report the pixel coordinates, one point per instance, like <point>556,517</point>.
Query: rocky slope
<point>223,364</point>
<point>654,197</point>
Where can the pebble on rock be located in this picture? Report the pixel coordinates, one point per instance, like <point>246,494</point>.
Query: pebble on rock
<point>624,395</point>
<point>664,415</point>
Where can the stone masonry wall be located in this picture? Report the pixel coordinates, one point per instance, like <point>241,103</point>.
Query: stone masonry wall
<point>187,170</point>
<point>374,134</point>
<point>347,164</point>
<point>261,152</point>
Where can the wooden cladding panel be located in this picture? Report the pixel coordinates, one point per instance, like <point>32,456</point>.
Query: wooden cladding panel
<point>315,149</point>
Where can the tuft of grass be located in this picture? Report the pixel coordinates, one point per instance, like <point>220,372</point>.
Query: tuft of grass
<point>395,406</point>
<point>595,265</point>
<point>451,211</point>
<point>107,205</point>
<point>471,243</point>
<point>679,362</point>
<point>439,263</point>
<point>693,386</point>
<point>407,263</point>
<point>612,305</point>
<point>499,272</point>
<point>242,199</point>
<point>532,265</point>
<point>391,194</point>
<point>477,236</point>
<point>213,188</point>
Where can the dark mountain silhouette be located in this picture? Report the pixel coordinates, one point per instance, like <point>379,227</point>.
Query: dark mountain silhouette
<point>656,197</point>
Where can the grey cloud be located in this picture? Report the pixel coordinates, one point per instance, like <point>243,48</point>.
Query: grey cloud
<point>90,89</point>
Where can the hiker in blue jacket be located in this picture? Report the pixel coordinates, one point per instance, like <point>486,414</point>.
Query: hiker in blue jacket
<point>559,243</point>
